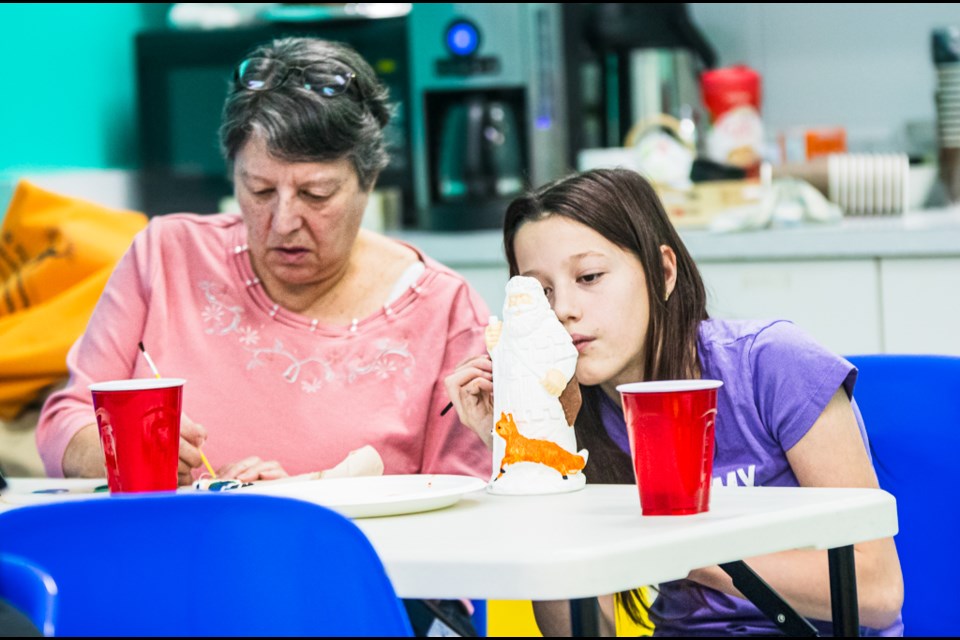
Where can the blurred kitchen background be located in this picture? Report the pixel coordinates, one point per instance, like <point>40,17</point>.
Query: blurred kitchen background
<point>809,153</point>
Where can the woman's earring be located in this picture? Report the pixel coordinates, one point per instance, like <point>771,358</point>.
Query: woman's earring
<point>666,296</point>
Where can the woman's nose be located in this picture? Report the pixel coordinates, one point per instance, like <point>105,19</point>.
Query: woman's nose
<point>286,216</point>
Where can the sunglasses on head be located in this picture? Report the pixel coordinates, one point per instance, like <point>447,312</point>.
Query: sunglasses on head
<point>328,79</point>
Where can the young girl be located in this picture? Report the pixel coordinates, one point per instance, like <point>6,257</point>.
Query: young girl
<point>623,285</point>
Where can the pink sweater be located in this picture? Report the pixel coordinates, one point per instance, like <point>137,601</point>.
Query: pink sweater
<point>268,382</point>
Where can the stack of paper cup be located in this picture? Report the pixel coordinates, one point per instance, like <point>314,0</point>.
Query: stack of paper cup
<point>946,57</point>
<point>869,184</point>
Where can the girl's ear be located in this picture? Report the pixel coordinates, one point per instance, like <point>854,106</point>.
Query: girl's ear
<point>669,260</point>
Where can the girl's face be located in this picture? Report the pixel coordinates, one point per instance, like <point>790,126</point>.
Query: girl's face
<point>598,291</point>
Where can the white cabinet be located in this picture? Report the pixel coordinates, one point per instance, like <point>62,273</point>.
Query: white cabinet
<point>921,305</point>
<point>855,306</point>
<point>864,286</point>
<point>836,301</point>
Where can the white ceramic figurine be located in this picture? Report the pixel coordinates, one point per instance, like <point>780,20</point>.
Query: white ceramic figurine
<point>534,448</point>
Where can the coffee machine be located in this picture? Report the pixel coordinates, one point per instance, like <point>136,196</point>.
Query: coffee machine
<point>487,108</point>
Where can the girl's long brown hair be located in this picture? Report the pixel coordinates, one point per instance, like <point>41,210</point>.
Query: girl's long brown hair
<point>623,207</point>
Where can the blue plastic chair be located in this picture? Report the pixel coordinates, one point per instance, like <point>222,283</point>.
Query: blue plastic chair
<point>911,409</point>
<point>30,590</point>
<point>217,564</point>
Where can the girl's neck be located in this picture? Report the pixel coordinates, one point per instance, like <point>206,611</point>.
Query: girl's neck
<point>610,390</point>
<point>637,375</point>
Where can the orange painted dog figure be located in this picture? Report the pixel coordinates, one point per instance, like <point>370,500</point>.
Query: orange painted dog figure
<point>523,449</point>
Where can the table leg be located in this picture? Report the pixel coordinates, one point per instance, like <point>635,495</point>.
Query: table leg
<point>843,592</point>
<point>756,590</point>
<point>585,617</point>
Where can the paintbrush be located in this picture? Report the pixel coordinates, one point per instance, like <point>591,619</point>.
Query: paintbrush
<point>153,368</point>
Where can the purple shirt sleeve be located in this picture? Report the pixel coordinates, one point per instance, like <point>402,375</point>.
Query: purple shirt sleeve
<point>794,378</point>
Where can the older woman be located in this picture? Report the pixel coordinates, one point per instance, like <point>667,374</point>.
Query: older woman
<point>301,336</point>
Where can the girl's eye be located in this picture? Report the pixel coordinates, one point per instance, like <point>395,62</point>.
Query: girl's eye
<point>262,193</point>
<point>590,277</point>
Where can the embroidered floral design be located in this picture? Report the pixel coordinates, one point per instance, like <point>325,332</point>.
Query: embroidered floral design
<point>391,358</point>
<point>249,336</point>
<point>215,310</point>
<point>311,387</point>
<point>292,372</point>
<point>212,314</point>
<point>383,360</point>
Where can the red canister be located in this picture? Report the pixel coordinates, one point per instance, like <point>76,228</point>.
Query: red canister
<point>732,98</point>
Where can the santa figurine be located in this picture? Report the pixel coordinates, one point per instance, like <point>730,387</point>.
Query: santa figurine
<point>534,444</point>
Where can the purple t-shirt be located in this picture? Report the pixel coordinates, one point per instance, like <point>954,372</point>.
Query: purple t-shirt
<point>776,382</point>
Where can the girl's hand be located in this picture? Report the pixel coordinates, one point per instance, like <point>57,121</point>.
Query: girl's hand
<point>470,388</point>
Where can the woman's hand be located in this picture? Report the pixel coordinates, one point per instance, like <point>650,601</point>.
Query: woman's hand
<point>192,437</point>
<point>252,469</point>
<point>470,388</point>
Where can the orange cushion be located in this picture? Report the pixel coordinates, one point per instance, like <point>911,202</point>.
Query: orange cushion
<point>56,254</point>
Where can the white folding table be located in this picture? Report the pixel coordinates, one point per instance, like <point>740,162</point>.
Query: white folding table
<point>594,541</point>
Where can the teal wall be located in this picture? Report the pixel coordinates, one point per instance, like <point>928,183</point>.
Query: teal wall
<point>68,85</point>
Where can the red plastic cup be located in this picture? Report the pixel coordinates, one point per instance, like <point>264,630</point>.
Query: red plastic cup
<point>139,423</point>
<point>670,425</point>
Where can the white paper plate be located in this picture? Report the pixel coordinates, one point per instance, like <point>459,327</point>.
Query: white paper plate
<point>367,497</point>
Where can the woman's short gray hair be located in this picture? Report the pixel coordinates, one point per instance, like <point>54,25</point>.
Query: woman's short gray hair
<point>300,125</point>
